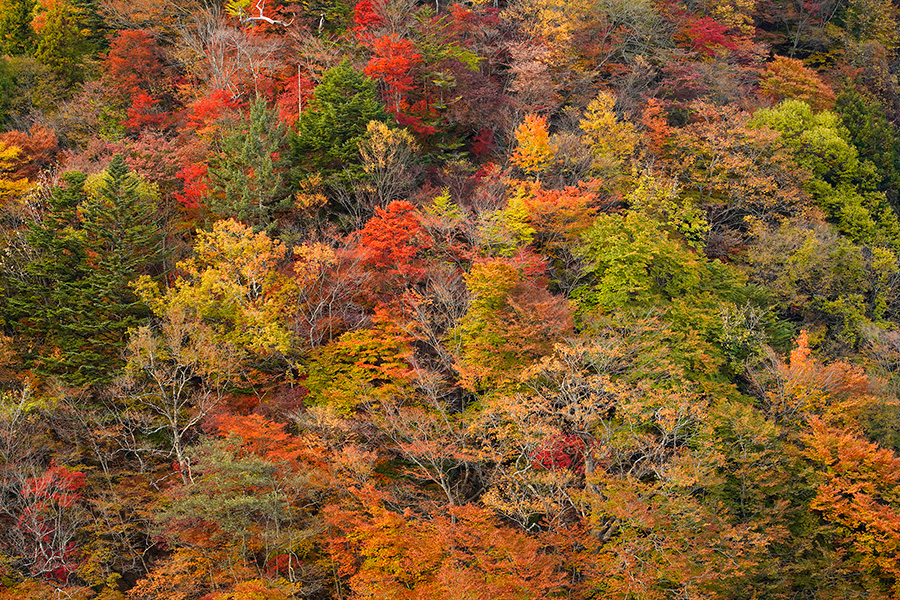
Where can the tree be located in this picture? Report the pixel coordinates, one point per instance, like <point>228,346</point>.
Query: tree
<point>122,243</point>
<point>393,60</point>
<point>531,85</point>
<point>872,21</point>
<point>134,64</point>
<point>150,15</point>
<point>668,542</point>
<point>821,277</point>
<point>328,281</point>
<point>802,27</point>
<point>38,149</point>
<point>135,79</point>
<point>248,496</point>
<point>16,34</point>
<point>632,262</point>
<point>233,288</point>
<point>176,372</point>
<point>49,520</point>
<point>47,285</point>
<point>43,502</point>
<point>787,78</point>
<point>247,170</point>
<point>330,131</point>
<point>73,297</point>
<point>361,368</point>
<point>534,152</point>
<point>803,387</point>
<point>61,44</point>
<point>656,127</point>
<point>873,136</point>
<point>384,554</point>
<point>221,53</point>
<point>387,157</point>
<point>392,241</point>
<point>560,217</point>
<point>725,162</point>
<point>841,184</point>
<point>11,186</point>
<point>247,15</point>
<point>119,227</point>
<point>511,322</point>
<point>612,142</point>
<point>586,38</point>
<point>856,491</point>
<point>582,413</point>
<point>708,36</point>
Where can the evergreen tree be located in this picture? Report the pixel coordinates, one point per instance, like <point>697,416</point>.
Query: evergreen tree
<point>329,132</point>
<point>73,298</point>
<point>119,224</point>
<point>92,24</point>
<point>45,290</point>
<point>16,34</point>
<point>247,171</point>
<point>7,91</point>
<point>122,243</point>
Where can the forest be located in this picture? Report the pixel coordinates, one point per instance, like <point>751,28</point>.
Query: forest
<point>488,300</point>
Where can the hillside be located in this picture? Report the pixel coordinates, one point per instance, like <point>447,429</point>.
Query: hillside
<point>576,299</point>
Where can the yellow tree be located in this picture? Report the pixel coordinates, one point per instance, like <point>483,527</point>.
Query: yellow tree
<point>233,285</point>
<point>612,142</point>
<point>512,321</point>
<point>387,156</point>
<point>10,187</point>
<point>534,152</point>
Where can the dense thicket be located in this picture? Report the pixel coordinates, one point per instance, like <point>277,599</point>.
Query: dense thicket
<point>527,299</point>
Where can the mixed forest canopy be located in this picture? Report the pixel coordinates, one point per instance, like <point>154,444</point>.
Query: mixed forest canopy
<point>489,300</point>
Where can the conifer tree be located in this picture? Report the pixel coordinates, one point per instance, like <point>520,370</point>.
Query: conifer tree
<point>122,243</point>
<point>247,172</point>
<point>44,291</point>
<point>874,137</point>
<point>16,34</point>
<point>73,297</point>
<point>331,130</point>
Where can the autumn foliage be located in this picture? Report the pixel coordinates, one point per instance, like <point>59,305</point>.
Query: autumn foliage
<point>520,300</point>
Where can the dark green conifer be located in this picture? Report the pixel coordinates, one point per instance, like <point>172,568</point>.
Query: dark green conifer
<point>247,170</point>
<point>329,133</point>
<point>874,136</point>
<point>73,297</point>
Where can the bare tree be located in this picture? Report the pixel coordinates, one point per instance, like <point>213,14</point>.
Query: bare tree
<point>222,55</point>
<point>430,436</point>
<point>247,14</point>
<point>178,375</point>
<point>387,159</point>
<point>40,508</point>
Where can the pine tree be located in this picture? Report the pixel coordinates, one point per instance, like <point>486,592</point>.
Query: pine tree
<point>122,243</point>
<point>92,24</point>
<point>43,291</point>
